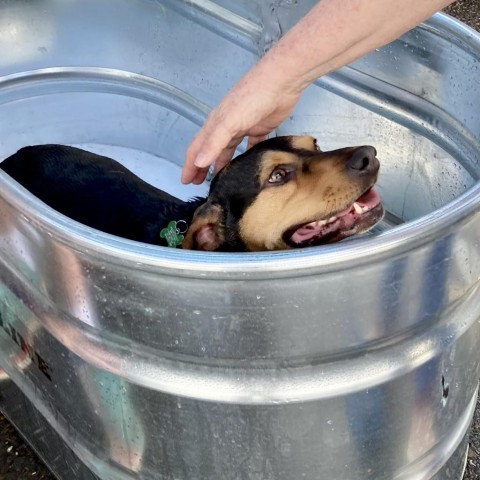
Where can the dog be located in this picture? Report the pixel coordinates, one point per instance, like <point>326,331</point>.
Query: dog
<point>283,193</point>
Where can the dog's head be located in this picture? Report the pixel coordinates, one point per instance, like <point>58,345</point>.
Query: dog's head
<point>286,193</point>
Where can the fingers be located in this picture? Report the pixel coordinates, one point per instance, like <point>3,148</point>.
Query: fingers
<point>199,176</point>
<point>209,145</point>
<point>254,139</point>
<point>225,157</point>
<point>192,174</point>
<point>213,144</point>
<point>198,162</point>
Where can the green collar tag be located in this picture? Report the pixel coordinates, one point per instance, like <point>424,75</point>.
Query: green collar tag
<point>172,233</point>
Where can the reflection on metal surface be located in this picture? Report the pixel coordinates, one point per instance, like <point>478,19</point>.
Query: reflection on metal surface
<point>183,365</point>
<point>15,34</point>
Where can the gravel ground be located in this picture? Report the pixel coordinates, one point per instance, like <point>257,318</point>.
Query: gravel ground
<point>17,459</point>
<point>467,11</point>
<point>19,462</point>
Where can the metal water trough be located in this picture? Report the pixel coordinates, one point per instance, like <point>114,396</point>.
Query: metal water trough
<point>352,361</point>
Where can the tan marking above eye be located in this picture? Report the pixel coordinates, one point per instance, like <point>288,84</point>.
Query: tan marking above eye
<point>304,142</point>
<point>273,159</point>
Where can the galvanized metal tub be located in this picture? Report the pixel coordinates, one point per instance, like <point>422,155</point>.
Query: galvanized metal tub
<point>126,361</point>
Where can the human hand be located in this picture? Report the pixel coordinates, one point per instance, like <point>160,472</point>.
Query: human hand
<point>254,107</point>
<point>331,35</point>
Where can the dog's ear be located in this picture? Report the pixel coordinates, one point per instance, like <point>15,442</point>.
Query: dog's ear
<point>206,231</point>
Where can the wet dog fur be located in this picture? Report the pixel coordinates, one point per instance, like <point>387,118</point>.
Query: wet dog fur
<point>283,193</point>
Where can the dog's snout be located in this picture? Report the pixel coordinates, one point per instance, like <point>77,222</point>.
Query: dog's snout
<point>362,160</point>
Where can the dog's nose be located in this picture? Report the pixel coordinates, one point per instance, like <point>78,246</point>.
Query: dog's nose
<point>362,159</point>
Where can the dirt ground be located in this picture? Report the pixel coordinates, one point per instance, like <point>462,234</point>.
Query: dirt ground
<point>19,462</point>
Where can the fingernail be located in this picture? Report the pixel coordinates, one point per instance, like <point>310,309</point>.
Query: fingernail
<point>202,161</point>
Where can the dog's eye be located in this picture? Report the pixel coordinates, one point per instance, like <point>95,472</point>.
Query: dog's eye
<point>277,176</point>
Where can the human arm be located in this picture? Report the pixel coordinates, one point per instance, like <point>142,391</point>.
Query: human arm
<point>333,34</point>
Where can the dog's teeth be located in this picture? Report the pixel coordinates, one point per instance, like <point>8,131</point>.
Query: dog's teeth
<point>321,223</point>
<point>332,219</point>
<point>358,209</point>
<point>365,209</point>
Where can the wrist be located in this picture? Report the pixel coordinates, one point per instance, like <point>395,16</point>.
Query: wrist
<point>276,73</point>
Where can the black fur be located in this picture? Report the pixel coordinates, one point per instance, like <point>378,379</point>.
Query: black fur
<point>97,191</point>
<point>100,193</point>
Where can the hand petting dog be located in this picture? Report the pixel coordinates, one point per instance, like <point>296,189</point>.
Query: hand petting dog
<point>333,34</point>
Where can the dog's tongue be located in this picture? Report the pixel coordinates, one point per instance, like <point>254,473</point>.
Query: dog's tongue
<point>344,220</point>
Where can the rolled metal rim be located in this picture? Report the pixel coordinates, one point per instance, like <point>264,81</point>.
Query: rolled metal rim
<point>191,263</point>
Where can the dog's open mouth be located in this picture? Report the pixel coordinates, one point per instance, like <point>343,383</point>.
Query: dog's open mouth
<point>359,217</point>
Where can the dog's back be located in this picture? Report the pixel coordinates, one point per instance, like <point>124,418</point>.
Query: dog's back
<point>92,189</point>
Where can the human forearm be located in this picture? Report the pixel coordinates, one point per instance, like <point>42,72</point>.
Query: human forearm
<point>336,32</point>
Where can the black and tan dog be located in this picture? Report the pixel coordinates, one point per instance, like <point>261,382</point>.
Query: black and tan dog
<point>283,193</point>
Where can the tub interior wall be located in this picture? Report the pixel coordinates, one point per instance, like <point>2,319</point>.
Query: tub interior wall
<point>157,44</point>
<point>417,176</point>
<point>421,170</point>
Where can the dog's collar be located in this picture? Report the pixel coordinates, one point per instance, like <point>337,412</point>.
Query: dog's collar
<point>173,233</point>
